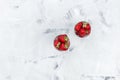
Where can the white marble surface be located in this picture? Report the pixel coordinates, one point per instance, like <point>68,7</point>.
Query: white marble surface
<point>28,28</point>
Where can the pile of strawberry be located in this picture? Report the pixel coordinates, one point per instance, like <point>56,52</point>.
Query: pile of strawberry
<point>62,42</point>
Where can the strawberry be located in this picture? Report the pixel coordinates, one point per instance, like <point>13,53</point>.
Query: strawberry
<point>82,33</point>
<point>63,38</point>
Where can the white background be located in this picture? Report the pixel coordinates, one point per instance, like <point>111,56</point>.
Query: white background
<point>28,28</point>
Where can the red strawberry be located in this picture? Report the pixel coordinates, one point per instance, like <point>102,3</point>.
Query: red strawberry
<point>56,43</point>
<point>82,33</point>
<point>62,47</point>
<point>78,26</point>
<point>63,38</point>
